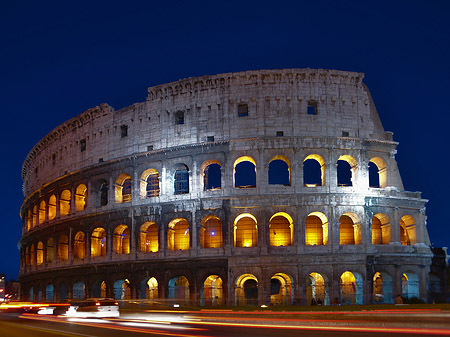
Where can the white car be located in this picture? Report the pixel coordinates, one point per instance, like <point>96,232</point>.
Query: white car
<point>94,307</point>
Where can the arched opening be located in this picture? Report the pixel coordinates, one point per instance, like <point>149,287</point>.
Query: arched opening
<point>79,246</point>
<point>99,289</point>
<point>410,285</point>
<point>245,231</point>
<point>212,175</point>
<point>279,171</point>
<point>63,291</point>
<point>29,220</point>
<point>148,237</point>
<point>377,173</point>
<point>316,229</point>
<point>79,290</point>
<point>178,236</point>
<point>122,290</point>
<point>313,171</point>
<point>50,256</point>
<point>349,229</point>
<point>49,293</point>
<point>246,290</point>
<point>212,292</point>
<point>346,170</point>
<point>63,248</point>
<point>434,289</point>
<point>81,197</point>
<point>382,288</point>
<point>281,290</point>
<point>32,255</point>
<point>98,242</point>
<point>42,212</point>
<point>150,184</point>
<point>179,290</point>
<point>381,229</point>
<point>122,188</point>
<point>64,203</point>
<point>149,290</point>
<point>408,234</point>
<point>39,253</point>
<point>351,288</point>
<point>35,216</point>
<point>244,172</point>
<point>211,232</point>
<point>181,179</point>
<point>121,240</point>
<point>103,192</point>
<point>317,292</point>
<point>52,207</point>
<point>281,231</point>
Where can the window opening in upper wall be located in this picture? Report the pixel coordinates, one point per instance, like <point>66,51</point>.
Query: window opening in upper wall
<point>374,179</point>
<point>212,176</point>
<point>280,133</point>
<point>344,173</point>
<point>179,117</point>
<point>311,108</point>
<point>124,131</point>
<point>245,175</point>
<point>242,110</point>
<point>152,188</point>
<point>83,145</point>
<point>210,138</point>
<point>181,181</point>
<point>279,173</point>
<point>312,173</point>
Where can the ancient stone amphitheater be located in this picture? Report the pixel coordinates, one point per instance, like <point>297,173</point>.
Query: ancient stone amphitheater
<point>259,187</point>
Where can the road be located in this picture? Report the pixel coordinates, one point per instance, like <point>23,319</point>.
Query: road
<point>194,324</point>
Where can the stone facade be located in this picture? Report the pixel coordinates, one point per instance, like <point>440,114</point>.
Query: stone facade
<point>96,185</point>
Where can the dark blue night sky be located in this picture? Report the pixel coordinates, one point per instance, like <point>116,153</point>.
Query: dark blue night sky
<point>60,58</point>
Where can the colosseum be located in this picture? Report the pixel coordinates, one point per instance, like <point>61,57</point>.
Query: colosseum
<point>272,187</point>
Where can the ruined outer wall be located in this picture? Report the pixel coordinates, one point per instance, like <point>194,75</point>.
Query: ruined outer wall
<point>277,101</point>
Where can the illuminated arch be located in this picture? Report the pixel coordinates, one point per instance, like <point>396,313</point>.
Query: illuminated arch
<point>382,288</point>
<point>148,237</point>
<point>122,188</point>
<point>279,171</point>
<point>313,171</point>
<point>52,207</point>
<point>281,229</point>
<point>35,217</point>
<point>211,175</point>
<point>122,289</point>
<point>65,203</point>
<point>121,239</point>
<point>79,246</point>
<point>351,288</point>
<point>42,211</point>
<point>316,229</point>
<point>212,291</point>
<point>408,235</point>
<point>244,172</point>
<point>378,177</point>
<point>246,290</point>
<point>317,289</point>
<point>50,251</point>
<point>39,253</point>
<point>178,236</point>
<point>80,197</point>
<point>347,167</point>
<point>349,229</point>
<point>179,289</point>
<point>245,231</point>
<point>211,232</point>
<point>98,242</point>
<point>149,290</point>
<point>281,292</point>
<point>149,184</point>
<point>381,229</point>
<point>63,247</point>
<point>410,285</point>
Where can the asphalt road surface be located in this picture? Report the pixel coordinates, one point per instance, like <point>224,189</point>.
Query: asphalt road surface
<point>193,325</point>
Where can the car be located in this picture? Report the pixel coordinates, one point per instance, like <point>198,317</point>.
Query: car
<point>94,307</point>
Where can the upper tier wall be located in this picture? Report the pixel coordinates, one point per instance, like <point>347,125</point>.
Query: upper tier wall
<point>277,100</point>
